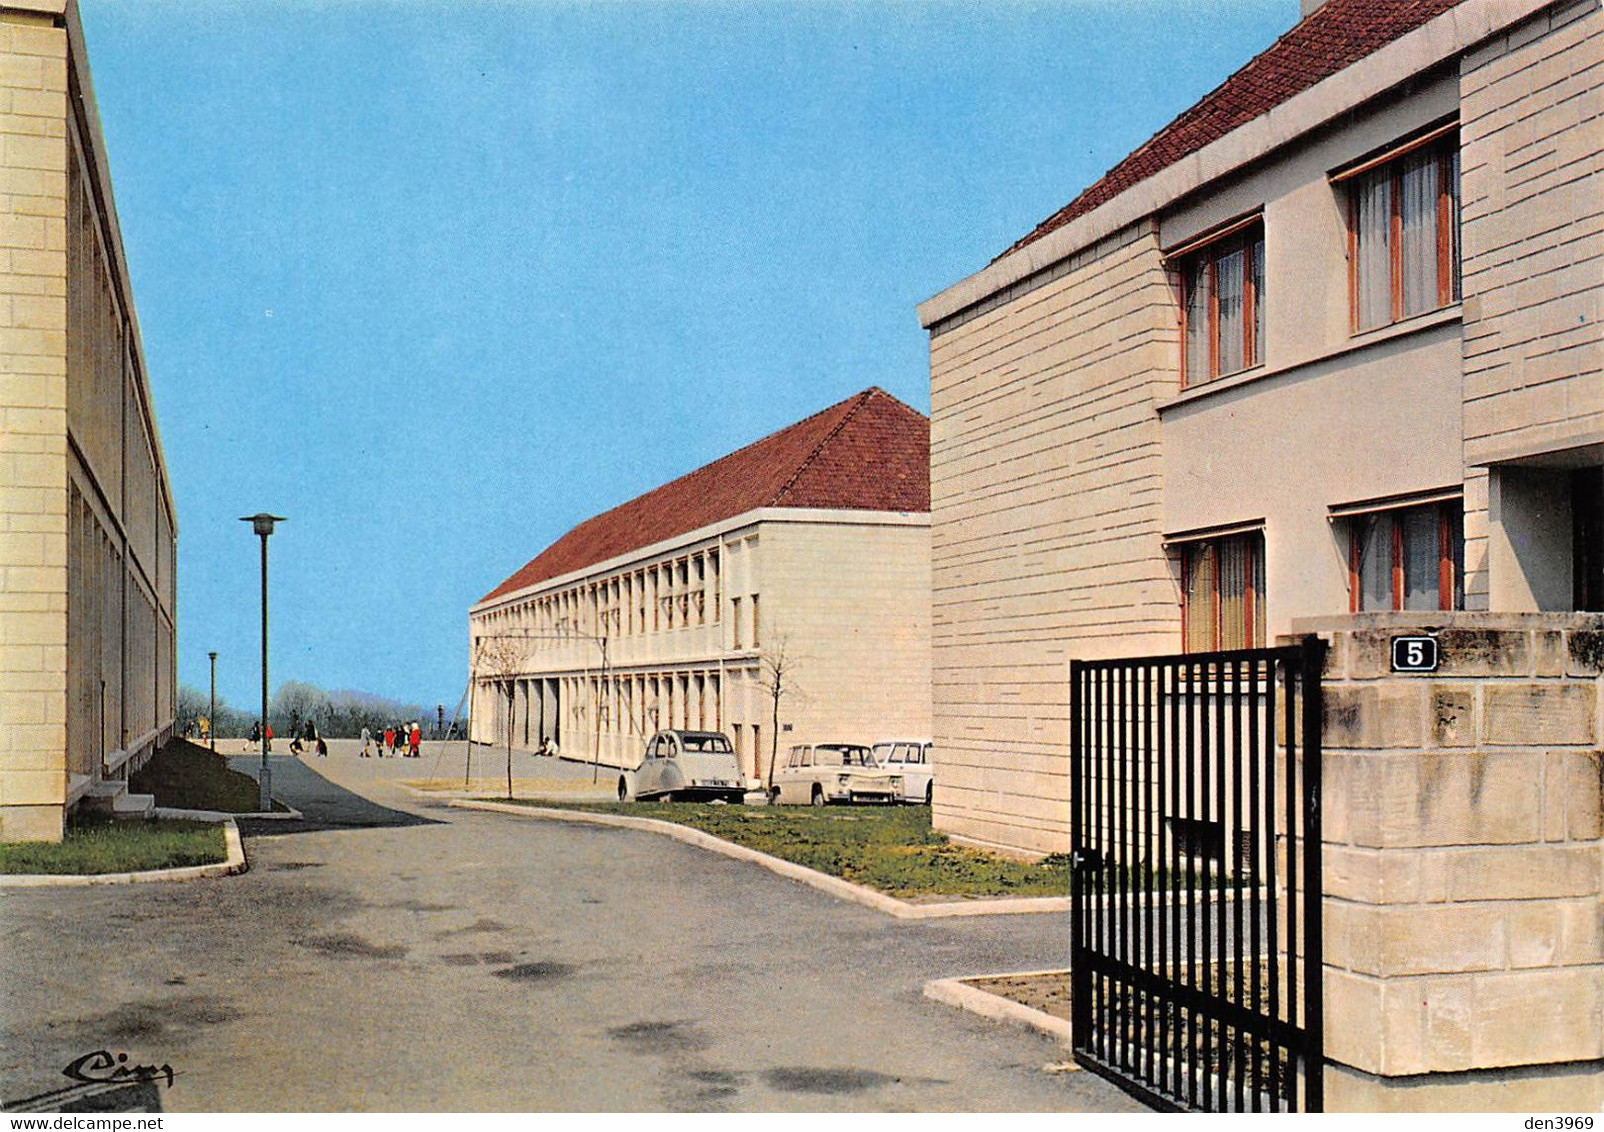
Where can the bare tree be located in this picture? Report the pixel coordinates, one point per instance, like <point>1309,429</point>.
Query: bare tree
<point>776,675</point>
<point>500,661</point>
<point>191,706</point>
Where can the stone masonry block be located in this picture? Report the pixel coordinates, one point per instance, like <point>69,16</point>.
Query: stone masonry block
<point>1537,1017</point>
<point>1352,785</point>
<point>1536,933</point>
<point>1367,716</point>
<point>1353,1010</point>
<point>1549,650</point>
<point>1524,872</point>
<point>1450,1012</point>
<point>1439,939</point>
<point>1540,714</point>
<point>1581,932</point>
<point>1584,795</point>
<point>1460,799</point>
<point>1585,649</point>
<point>1453,715</point>
<point>36,787</point>
<point>1484,652</point>
<point>31,823</point>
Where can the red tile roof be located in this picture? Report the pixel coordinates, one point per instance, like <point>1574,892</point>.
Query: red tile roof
<point>868,453</point>
<point>1336,35</point>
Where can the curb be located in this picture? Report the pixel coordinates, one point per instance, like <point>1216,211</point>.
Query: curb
<point>958,993</point>
<point>290,813</point>
<point>835,886</point>
<point>235,863</point>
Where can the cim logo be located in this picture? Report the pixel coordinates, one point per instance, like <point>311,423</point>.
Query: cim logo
<point>1414,654</point>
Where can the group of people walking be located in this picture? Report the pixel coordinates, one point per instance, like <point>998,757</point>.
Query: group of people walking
<point>308,737</point>
<point>407,735</point>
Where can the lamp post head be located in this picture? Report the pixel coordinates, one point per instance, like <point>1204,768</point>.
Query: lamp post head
<point>262,522</point>
<point>213,655</point>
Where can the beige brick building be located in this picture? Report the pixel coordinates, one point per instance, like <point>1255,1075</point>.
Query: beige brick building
<point>660,613</point>
<point>1328,343</point>
<point>87,525</point>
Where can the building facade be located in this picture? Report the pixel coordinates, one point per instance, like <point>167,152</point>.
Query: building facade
<point>1328,343</point>
<point>807,551</point>
<point>87,526</point>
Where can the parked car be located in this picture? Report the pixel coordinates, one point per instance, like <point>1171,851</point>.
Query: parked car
<point>911,759</point>
<point>685,766</point>
<point>818,773</point>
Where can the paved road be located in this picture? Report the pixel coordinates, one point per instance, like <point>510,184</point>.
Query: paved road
<point>390,954</point>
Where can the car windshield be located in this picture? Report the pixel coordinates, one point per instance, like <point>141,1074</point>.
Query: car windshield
<point>881,754</point>
<point>714,744</point>
<point>846,756</point>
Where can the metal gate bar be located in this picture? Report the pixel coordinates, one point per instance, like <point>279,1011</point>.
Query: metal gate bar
<point>1195,923</point>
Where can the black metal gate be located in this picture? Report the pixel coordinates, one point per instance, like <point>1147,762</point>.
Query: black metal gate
<point>1195,924</point>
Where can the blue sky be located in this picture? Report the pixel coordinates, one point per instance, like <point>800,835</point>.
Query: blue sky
<point>440,280</point>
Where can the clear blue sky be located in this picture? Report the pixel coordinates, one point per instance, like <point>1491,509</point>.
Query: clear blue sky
<point>440,280</point>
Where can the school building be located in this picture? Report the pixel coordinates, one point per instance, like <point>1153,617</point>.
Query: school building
<point>87,526</point>
<point>808,549</point>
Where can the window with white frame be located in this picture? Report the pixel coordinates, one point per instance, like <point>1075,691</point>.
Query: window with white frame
<point>1403,230</point>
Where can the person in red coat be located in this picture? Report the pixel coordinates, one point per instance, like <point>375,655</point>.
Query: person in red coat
<point>389,740</point>
<point>414,740</point>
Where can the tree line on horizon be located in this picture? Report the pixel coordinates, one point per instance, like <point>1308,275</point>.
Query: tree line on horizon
<point>340,714</point>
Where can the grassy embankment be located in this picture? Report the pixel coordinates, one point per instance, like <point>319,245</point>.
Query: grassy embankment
<point>891,849</point>
<point>182,776</point>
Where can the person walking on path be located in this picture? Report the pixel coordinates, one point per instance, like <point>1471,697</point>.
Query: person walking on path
<point>255,735</point>
<point>414,740</point>
<point>367,742</point>
<point>389,740</point>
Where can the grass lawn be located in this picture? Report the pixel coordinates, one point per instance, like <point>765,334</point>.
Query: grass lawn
<point>186,776</point>
<point>96,844</point>
<point>889,848</point>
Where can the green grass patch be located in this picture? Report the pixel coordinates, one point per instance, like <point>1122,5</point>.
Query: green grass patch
<point>186,776</point>
<point>890,848</point>
<point>97,844</point>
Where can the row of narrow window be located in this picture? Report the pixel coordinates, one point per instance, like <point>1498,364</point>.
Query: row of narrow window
<point>1403,260</point>
<point>673,595</point>
<point>1409,558</point>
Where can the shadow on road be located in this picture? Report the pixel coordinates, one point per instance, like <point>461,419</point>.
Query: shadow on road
<point>325,805</point>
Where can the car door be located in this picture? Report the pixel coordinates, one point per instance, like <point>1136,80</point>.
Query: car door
<point>673,772</point>
<point>649,779</point>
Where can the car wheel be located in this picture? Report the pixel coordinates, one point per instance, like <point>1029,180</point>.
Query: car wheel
<point>930,793</point>
<point>818,796</point>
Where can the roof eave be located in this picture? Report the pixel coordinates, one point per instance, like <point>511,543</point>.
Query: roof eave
<point>1437,40</point>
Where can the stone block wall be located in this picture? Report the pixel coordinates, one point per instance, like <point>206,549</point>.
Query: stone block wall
<point>1532,234</point>
<point>87,526</point>
<point>33,426</point>
<point>1464,857</point>
<point>1046,525</point>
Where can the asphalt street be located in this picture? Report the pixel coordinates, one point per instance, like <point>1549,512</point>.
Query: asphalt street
<point>390,953</point>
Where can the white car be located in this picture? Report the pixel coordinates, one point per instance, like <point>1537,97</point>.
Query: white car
<point>911,759</point>
<point>685,766</point>
<point>818,773</point>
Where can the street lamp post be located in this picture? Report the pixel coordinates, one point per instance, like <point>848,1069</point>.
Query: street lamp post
<point>211,720</point>
<point>262,524</point>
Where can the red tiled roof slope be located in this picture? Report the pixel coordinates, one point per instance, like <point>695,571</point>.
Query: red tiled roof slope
<point>868,453</point>
<point>1336,35</point>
